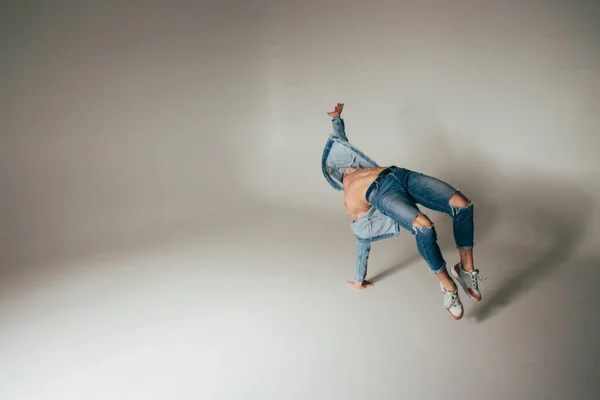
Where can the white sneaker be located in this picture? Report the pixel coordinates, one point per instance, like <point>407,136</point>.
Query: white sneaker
<point>452,303</point>
<point>468,280</point>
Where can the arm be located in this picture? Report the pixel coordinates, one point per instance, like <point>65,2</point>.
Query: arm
<point>362,258</point>
<point>339,129</point>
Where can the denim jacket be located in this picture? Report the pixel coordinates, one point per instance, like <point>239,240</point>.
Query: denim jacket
<point>338,155</point>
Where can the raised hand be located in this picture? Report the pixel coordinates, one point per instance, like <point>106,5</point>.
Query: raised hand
<point>337,111</point>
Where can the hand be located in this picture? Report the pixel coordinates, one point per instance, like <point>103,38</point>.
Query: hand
<point>337,111</point>
<point>360,285</point>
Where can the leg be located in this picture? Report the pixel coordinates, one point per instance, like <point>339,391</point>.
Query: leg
<point>462,221</point>
<point>464,272</point>
<point>438,195</point>
<point>466,259</point>
<point>428,234</point>
<point>392,200</point>
<point>452,302</point>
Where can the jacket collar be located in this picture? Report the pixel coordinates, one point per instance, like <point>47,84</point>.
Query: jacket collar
<point>327,169</point>
<point>333,169</point>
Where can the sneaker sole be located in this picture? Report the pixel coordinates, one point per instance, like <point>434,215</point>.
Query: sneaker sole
<point>453,316</point>
<point>467,290</point>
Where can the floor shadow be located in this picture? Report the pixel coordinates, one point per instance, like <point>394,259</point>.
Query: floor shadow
<point>577,305</point>
<point>559,253</point>
<point>545,214</point>
<point>394,268</point>
<point>535,209</point>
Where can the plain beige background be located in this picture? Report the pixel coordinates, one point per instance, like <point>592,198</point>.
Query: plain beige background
<point>167,233</point>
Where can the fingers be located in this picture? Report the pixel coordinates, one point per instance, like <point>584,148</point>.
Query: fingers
<point>360,285</point>
<point>337,109</point>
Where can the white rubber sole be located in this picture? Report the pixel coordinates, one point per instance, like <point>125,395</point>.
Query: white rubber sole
<point>454,316</point>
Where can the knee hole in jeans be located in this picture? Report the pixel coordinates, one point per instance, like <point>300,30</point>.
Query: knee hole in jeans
<point>459,201</point>
<point>421,221</point>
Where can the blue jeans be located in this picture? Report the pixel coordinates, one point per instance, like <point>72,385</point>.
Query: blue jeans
<point>396,193</point>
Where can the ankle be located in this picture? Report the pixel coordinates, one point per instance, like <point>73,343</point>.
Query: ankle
<point>449,286</point>
<point>467,267</point>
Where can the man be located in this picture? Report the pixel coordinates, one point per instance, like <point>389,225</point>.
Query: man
<point>382,200</point>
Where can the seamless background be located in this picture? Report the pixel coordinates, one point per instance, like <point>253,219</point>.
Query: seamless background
<point>167,233</point>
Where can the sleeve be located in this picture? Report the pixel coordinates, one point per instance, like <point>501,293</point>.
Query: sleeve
<point>339,128</point>
<point>363,249</point>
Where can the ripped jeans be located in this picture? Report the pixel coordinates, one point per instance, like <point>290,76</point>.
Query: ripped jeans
<point>396,193</point>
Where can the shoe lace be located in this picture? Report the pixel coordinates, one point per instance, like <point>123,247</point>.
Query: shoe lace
<point>475,278</point>
<point>453,299</point>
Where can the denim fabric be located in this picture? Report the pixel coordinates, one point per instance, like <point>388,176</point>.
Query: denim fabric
<point>397,196</point>
<point>362,258</point>
<point>395,204</point>
<point>338,155</point>
<point>374,226</point>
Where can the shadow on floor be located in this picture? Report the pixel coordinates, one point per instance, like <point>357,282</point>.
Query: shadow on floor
<point>582,320</point>
<point>387,272</point>
<point>550,217</point>
<point>558,255</point>
<point>543,212</point>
